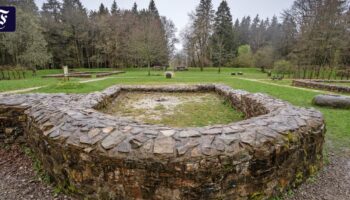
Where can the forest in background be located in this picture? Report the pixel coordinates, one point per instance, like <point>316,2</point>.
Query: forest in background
<point>65,33</point>
<point>309,40</point>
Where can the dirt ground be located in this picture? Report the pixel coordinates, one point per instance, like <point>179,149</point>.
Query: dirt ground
<point>156,105</point>
<point>18,180</point>
<point>173,109</point>
<point>332,183</point>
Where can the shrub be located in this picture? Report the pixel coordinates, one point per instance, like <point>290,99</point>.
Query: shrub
<point>264,58</point>
<point>245,57</point>
<point>282,67</point>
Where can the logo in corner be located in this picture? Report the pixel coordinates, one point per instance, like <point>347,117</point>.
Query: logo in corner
<point>7,19</point>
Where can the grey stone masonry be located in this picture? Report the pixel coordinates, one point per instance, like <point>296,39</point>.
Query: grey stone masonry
<point>97,156</point>
<point>323,85</point>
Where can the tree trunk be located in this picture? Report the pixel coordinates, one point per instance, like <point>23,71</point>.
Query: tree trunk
<point>304,75</point>
<point>77,53</point>
<point>330,73</point>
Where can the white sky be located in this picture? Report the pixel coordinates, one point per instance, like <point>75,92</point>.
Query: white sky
<point>177,10</point>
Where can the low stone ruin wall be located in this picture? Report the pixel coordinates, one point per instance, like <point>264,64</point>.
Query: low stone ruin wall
<point>104,74</point>
<point>322,84</point>
<point>98,156</point>
<point>70,75</point>
<point>12,123</point>
<point>84,74</point>
<point>331,81</point>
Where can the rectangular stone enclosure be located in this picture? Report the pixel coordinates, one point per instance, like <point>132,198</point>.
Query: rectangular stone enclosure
<point>98,156</point>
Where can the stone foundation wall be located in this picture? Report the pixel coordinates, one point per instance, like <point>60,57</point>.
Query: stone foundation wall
<point>84,74</point>
<point>99,75</point>
<point>319,84</point>
<point>97,156</point>
<point>12,124</point>
<point>70,75</point>
<point>331,81</point>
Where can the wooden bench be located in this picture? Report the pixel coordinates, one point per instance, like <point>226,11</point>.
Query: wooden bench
<point>181,69</point>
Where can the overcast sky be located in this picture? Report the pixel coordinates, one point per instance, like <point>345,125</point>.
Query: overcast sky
<point>177,10</point>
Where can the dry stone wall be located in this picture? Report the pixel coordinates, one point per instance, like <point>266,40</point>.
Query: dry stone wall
<point>91,74</point>
<point>98,156</point>
<point>323,85</point>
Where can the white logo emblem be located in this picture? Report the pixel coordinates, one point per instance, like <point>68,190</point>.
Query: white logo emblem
<point>3,18</point>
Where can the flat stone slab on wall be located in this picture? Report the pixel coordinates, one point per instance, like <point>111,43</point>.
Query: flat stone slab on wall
<point>95,155</point>
<point>323,85</point>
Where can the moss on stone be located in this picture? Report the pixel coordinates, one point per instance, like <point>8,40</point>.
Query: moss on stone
<point>299,177</point>
<point>257,196</point>
<point>313,169</point>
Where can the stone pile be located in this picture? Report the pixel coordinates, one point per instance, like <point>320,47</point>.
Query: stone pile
<point>323,85</point>
<point>98,156</point>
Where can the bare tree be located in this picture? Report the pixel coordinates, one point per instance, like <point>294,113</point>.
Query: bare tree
<point>148,40</point>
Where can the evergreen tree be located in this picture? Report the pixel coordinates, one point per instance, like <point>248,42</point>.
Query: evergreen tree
<point>75,20</point>
<point>255,40</point>
<point>223,36</point>
<point>114,8</point>
<point>152,8</point>
<point>27,6</point>
<point>203,22</point>
<point>53,30</point>
<point>236,26</point>
<point>288,36</point>
<point>134,8</point>
<point>103,10</point>
<point>244,31</point>
<point>52,9</point>
<point>273,28</point>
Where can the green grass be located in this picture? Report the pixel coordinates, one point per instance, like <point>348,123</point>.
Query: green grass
<point>31,81</point>
<point>338,126</point>
<point>37,81</point>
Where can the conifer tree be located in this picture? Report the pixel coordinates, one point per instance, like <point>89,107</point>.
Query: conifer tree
<point>134,8</point>
<point>203,22</point>
<point>103,10</point>
<point>114,8</point>
<point>75,20</point>
<point>53,30</point>
<point>223,38</point>
<point>244,31</point>
<point>152,8</point>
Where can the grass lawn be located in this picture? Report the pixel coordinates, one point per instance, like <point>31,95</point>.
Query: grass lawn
<point>37,81</point>
<point>338,126</point>
<point>31,81</point>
